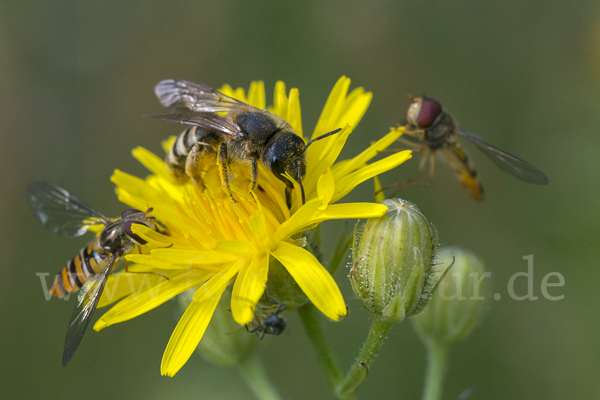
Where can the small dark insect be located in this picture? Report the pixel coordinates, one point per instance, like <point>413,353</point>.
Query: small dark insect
<point>66,215</point>
<point>245,134</point>
<point>271,324</point>
<point>431,129</point>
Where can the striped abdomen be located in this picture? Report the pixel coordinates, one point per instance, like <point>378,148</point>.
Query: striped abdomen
<point>177,157</point>
<point>78,271</point>
<point>463,169</point>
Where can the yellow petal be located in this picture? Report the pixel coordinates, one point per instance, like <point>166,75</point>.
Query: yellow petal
<point>187,334</point>
<point>309,215</point>
<point>321,155</point>
<point>347,166</point>
<point>280,100</point>
<point>333,107</point>
<point>294,117</point>
<point>192,257</point>
<point>379,196</point>
<point>256,95</point>
<point>139,303</point>
<point>344,185</point>
<point>313,279</point>
<point>151,236</point>
<point>219,280</point>
<point>227,90</point>
<point>325,189</point>
<point>233,246</point>
<point>123,284</point>
<point>354,108</point>
<point>152,263</point>
<point>248,288</point>
<point>151,161</point>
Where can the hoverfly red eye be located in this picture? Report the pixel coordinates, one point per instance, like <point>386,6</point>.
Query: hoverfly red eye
<point>430,109</point>
<point>127,226</point>
<point>129,212</point>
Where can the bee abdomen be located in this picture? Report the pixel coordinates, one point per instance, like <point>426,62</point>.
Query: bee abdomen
<point>177,156</point>
<point>78,270</point>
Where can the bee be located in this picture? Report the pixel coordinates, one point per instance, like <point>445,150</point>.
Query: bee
<point>66,215</point>
<point>432,129</point>
<point>271,324</point>
<point>245,134</point>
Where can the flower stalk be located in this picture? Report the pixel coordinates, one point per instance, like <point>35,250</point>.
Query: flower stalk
<point>254,373</point>
<point>358,372</point>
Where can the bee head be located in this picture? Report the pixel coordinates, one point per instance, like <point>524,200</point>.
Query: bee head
<point>286,155</point>
<point>134,216</point>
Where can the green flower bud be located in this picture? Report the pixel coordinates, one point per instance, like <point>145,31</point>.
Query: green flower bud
<point>281,286</point>
<point>458,301</point>
<point>393,261</point>
<point>224,342</point>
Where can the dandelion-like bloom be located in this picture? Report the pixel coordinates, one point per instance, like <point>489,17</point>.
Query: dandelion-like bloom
<point>212,241</point>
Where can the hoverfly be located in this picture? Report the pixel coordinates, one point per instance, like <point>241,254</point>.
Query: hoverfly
<point>245,134</point>
<point>431,130</point>
<point>66,215</point>
<point>271,324</point>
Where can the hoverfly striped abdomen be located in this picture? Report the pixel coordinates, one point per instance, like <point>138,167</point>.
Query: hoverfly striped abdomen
<point>78,270</point>
<point>66,215</point>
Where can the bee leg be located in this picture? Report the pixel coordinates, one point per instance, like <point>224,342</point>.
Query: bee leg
<point>193,164</point>
<point>288,197</point>
<point>254,170</point>
<point>223,170</point>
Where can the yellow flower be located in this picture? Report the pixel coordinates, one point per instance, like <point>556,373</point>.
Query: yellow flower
<point>213,242</point>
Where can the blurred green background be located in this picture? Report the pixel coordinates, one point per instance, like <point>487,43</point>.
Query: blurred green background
<point>76,77</point>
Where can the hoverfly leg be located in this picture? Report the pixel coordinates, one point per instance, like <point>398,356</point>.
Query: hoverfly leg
<point>402,185</point>
<point>417,133</point>
<point>143,272</point>
<point>410,144</point>
<point>224,170</point>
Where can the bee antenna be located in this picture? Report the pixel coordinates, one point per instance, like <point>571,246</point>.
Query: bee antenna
<point>299,165</point>
<point>320,137</point>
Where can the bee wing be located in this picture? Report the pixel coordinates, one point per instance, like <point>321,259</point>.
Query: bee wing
<point>205,120</point>
<point>195,97</point>
<point>87,301</point>
<point>60,211</point>
<point>463,169</point>
<point>509,163</point>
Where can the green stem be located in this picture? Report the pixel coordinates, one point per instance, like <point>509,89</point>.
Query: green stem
<point>437,358</point>
<point>252,370</point>
<point>316,335</point>
<point>359,370</point>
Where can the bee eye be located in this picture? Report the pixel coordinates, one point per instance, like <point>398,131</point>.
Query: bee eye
<point>126,213</point>
<point>278,169</point>
<point>430,109</point>
<point>127,226</point>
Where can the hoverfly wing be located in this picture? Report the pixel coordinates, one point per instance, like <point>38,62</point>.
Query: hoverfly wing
<point>514,165</point>
<point>87,301</point>
<point>194,96</point>
<point>60,211</point>
<point>205,120</point>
